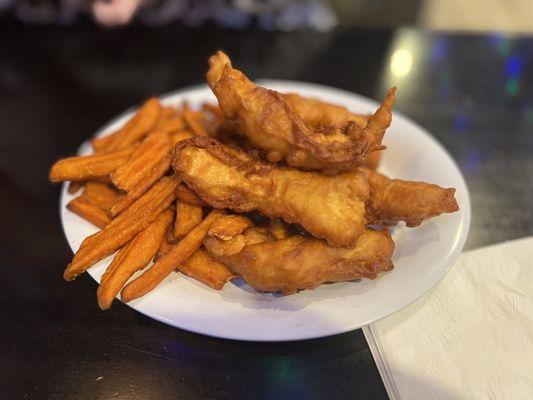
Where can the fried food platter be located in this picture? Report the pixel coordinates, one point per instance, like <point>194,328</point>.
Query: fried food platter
<point>421,256</point>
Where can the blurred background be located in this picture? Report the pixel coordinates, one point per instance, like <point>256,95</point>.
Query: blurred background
<point>456,15</point>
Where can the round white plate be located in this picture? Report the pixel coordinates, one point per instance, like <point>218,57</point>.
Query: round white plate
<point>422,256</point>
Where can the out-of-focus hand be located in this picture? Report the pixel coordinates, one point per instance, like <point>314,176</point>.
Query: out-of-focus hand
<point>115,12</point>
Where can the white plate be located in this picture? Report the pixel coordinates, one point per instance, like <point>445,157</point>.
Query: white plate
<point>422,257</point>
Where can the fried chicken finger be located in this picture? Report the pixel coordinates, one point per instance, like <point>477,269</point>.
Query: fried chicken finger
<point>394,200</point>
<point>300,262</point>
<point>331,208</point>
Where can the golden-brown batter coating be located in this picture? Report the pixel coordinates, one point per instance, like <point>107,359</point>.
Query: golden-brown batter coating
<point>318,114</point>
<point>271,124</point>
<point>300,262</point>
<point>329,207</point>
<point>394,200</point>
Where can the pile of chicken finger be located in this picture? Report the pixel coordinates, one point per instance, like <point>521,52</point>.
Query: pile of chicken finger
<point>276,188</point>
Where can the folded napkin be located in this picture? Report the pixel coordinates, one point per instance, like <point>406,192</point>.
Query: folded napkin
<point>470,338</point>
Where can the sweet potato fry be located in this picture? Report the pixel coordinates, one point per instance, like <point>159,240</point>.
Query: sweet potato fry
<point>135,256</point>
<point>213,109</point>
<point>100,144</point>
<point>82,168</point>
<point>117,260</point>
<point>230,225</point>
<point>165,245</point>
<point>137,127</point>
<point>123,228</point>
<point>187,217</point>
<point>166,264</point>
<point>143,160</point>
<point>186,194</point>
<point>128,199</point>
<point>103,179</point>
<point>179,136</point>
<point>101,194</point>
<point>196,122</point>
<point>166,113</point>
<point>202,267</point>
<point>171,125</point>
<point>89,211</point>
<point>74,186</point>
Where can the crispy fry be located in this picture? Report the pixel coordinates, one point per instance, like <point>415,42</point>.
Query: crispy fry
<point>82,168</point>
<point>137,127</point>
<point>103,179</point>
<point>196,122</point>
<point>101,143</point>
<point>165,246</point>
<point>187,195</point>
<point>127,200</point>
<point>166,113</point>
<point>117,260</point>
<point>123,228</point>
<point>101,194</point>
<point>74,186</point>
<point>142,162</point>
<point>179,136</point>
<point>171,125</point>
<point>135,256</point>
<point>278,228</point>
<point>213,109</point>
<point>202,267</point>
<point>187,217</point>
<point>89,211</point>
<point>229,226</point>
<point>166,264</point>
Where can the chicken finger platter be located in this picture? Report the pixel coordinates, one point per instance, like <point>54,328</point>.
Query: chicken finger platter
<point>270,211</point>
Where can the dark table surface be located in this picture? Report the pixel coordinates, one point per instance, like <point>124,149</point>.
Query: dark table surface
<point>58,85</point>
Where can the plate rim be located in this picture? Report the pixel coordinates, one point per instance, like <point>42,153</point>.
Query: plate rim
<point>466,208</point>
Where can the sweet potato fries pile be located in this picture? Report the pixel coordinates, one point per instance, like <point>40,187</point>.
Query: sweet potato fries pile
<point>276,188</point>
<point>144,211</point>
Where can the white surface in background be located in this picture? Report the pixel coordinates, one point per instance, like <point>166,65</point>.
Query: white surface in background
<point>422,256</point>
<point>470,338</point>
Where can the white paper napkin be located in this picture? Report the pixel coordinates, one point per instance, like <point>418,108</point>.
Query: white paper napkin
<point>470,338</point>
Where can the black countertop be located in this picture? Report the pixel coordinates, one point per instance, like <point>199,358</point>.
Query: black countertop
<point>58,85</point>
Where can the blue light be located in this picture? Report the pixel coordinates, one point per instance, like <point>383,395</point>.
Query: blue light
<point>439,50</point>
<point>473,161</point>
<point>514,66</point>
<point>460,123</point>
